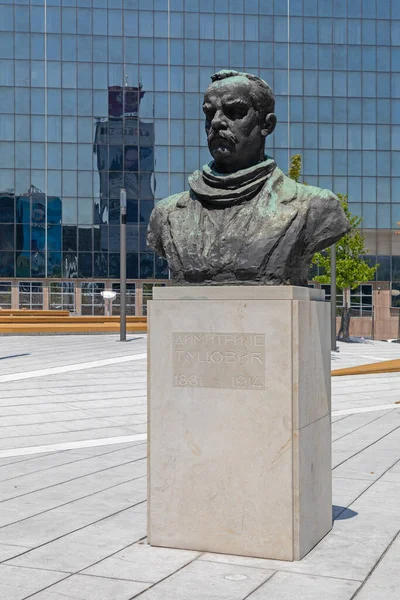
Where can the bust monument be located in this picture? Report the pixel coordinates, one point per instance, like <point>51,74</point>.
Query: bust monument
<point>243,221</point>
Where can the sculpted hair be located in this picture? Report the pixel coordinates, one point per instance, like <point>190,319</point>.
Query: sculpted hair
<point>262,97</point>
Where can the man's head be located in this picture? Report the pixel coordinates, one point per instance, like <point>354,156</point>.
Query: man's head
<point>239,111</point>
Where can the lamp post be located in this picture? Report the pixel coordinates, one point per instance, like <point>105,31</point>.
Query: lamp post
<point>333,297</point>
<point>108,296</point>
<point>122,326</point>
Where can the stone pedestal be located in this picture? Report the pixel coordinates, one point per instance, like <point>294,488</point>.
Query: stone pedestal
<point>240,427</point>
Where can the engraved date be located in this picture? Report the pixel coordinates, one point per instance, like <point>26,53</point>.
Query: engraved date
<point>187,381</point>
<point>246,383</point>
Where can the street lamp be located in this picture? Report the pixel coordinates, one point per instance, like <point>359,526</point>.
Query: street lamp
<point>122,326</point>
<point>333,297</point>
<point>108,296</point>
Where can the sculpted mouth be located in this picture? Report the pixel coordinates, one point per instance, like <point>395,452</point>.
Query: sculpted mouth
<point>221,142</point>
<point>216,137</point>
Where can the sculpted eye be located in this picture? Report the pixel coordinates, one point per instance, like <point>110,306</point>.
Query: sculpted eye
<point>209,113</point>
<point>236,112</point>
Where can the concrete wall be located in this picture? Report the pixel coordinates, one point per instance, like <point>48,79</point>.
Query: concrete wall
<point>386,321</point>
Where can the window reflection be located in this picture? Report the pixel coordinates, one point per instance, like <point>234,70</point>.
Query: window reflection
<point>37,238</point>
<point>114,266</point>
<point>7,209</point>
<point>70,265</point>
<point>22,263</point>
<point>85,264</point>
<point>54,238</point>
<point>103,126</point>
<point>38,264</point>
<point>6,237</point>
<point>384,269</point>
<point>146,265</point>
<point>100,264</point>
<point>85,238</point>
<point>69,238</point>
<point>5,294</point>
<point>54,265</point>
<point>161,268</point>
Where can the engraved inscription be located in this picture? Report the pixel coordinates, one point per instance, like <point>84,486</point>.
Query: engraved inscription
<point>219,360</point>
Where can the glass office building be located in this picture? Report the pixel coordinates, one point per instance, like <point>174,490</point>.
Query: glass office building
<point>97,95</point>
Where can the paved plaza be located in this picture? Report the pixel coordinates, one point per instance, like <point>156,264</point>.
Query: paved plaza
<point>73,485</point>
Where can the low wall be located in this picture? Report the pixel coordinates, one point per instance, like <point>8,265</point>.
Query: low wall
<point>386,320</point>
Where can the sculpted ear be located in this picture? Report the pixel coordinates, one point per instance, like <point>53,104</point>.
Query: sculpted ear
<point>269,124</point>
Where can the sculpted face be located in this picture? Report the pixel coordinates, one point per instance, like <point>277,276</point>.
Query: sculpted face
<point>235,130</point>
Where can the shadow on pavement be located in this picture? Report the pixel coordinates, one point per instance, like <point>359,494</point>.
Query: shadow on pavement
<point>341,513</point>
<point>14,356</point>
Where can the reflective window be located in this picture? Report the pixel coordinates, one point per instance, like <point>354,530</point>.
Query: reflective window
<point>384,269</point>
<point>130,299</point>
<point>7,203</point>
<point>6,237</point>
<point>5,294</point>
<point>92,300</point>
<point>104,100</point>
<point>62,296</point>
<point>31,295</point>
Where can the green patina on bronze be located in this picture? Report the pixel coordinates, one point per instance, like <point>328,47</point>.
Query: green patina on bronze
<point>242,221</point>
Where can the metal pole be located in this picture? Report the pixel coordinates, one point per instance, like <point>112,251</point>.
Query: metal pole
<point>333,297</point>
<point>122,291</point>
<point>373,321</point>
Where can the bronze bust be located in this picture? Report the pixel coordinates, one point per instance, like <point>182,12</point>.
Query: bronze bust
<point>243,221</point>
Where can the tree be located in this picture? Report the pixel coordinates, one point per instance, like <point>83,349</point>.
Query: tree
<point>295,168</point>
<point>351,268</point>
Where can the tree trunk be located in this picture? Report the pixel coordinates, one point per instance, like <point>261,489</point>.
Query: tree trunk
<point>344,331</point>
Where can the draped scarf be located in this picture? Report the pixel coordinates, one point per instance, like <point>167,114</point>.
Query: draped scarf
<point>227,189</point>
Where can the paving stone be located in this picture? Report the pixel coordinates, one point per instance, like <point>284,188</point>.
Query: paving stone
<point>384,583</point>
<point>141,562</point>
<point>44,440</point>
<point>345,491</point>
<point>209,581</point>
<point>25,506</point>
<point>355,422</point>
<point>82,587</point>
<point>83,548</point>
<point>24,467</point>
<point>285,586</point>
<point>353,546</point>
<point>392,474</point>
<point>372,462</point>
<point>7,551</point>
<point>92,467</point>
<point>16,583</point>
<point>47,526</point>
<point>116,395</point>
<point>357,441</point>
<point>82,423</point>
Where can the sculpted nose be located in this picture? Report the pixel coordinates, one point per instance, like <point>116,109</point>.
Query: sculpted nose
<point>218,121</point>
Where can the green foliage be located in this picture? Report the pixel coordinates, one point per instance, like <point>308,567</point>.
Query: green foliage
<point>351,268</point>
<point>295,167</point>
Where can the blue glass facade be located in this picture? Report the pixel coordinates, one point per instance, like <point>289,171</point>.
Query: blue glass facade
<point>97,95</point>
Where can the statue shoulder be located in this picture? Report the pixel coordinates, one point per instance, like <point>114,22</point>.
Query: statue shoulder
<point>281,185</point>
<point>170,203</point>
<point>326,219</point>
<point>158,226</point>
<point>317,196</point>
<point>320,203</point>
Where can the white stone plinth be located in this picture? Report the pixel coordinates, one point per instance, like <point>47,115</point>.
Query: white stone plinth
<point>239,420</point>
